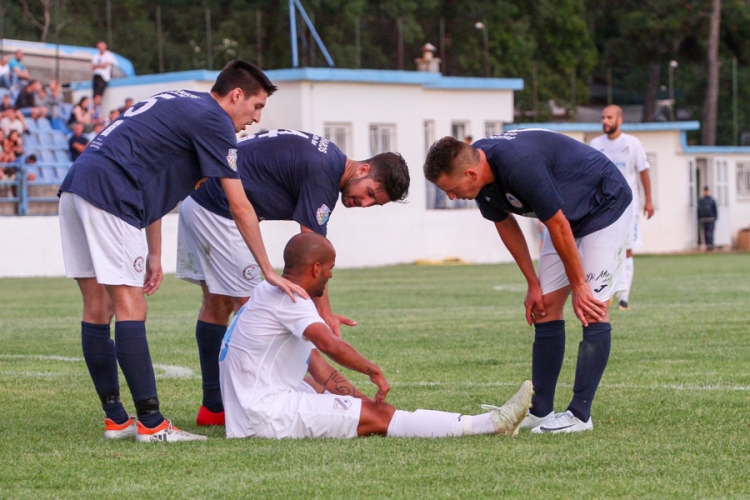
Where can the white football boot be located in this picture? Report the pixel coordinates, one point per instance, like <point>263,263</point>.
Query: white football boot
<point>563,423</point>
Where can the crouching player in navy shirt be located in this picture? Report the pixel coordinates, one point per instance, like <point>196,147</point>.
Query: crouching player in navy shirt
<point>585,204</point>
<point>287,175</point>
<point>135,171</point>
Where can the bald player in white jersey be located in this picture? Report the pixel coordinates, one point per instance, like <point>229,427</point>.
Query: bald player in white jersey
<point>273,341</point>
<point>627,153</point>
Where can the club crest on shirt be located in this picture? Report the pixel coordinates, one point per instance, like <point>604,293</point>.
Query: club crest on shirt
<point>513,200</point>
<point>342,404</point>
<point>322,215</point>
<point>232,159</point>
<point>139,264</point>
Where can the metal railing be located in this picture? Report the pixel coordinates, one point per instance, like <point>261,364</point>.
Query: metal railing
<point>17,190</point>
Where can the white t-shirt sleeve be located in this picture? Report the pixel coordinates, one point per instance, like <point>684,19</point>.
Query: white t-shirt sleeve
<point>297,316</point>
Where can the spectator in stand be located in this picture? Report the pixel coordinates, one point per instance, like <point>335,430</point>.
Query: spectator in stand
<point>82,114</point>
<point>19,74</point>
<point>11,121</point>
<point>128,104</point>
<point>29,102</point>
<point>14,143</point>
<point>5,77</point>
<point>113,115</point>
<point>101,65</point>
<point>52,98</point>
<point>5,105</point>
<point>77,142</point>
<point>97,130</point>
<point>6,156</point>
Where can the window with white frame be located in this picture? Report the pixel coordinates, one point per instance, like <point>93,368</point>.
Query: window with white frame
<point>492,128</point>
<point>340,134</point>
<point>460,130</point>
<point>382,138</point>
<point>743,181</point>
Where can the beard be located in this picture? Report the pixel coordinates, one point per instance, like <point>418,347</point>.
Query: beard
<point>610,129</point>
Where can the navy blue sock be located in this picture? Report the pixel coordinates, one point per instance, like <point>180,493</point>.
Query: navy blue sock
<point>546,362</point>
<point>593,354</point>
<point>135,360</point>
<point>99,353</point>
<point>209,336</point>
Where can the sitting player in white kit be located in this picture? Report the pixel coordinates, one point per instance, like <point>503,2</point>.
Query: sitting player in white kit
<point>273,341</point>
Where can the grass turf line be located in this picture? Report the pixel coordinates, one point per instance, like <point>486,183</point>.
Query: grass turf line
<point>670,420</point>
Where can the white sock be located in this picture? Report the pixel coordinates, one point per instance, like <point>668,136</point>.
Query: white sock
<point>436,424</point>
<point>629,268</point>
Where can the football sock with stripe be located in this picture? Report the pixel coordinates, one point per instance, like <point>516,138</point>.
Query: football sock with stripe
<point>135,360</point>
<point>546,363</point>
<point>209,337</point>
<point>593,354</point>
<point>436,424</point>
<point>99,353</point>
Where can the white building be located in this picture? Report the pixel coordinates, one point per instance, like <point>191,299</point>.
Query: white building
<point>369,111</point>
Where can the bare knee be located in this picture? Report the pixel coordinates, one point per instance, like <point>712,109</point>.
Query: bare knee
<point>97,304</point>
<point>375,418</point>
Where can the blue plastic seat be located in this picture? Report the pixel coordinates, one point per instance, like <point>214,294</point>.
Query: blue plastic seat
<point>60,173</point>
<point>62,156</point>
<point>33,126</point>
<point>44,124</point>
<point>58,124</point>
<point>31,141</point>
<point>60,141</point>
<point>46,156</point>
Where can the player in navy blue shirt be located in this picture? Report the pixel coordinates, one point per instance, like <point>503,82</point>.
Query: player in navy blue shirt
<point>135,171</point>
<point>585,203</point>
<point>287,175</point>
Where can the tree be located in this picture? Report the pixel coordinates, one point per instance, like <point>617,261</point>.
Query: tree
<point>711,102</point>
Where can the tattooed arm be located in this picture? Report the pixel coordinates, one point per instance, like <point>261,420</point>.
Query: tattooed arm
<point>330,378</point>
<point>347,356</point>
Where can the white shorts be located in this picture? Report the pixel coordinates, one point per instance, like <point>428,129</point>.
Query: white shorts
<point>634,236</point>
<point>298,415</point>
<point>210,248</point>
<point>97,244</point>
<point>602,256</point>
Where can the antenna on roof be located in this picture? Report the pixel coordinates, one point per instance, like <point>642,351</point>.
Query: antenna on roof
<point>293,6</point>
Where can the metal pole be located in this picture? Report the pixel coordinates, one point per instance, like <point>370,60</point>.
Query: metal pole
<point>442,44</point>
<point>734,102</point>
<point>400,27</point>
<point>357,44</point>
<point>293,34</point>
<point>572,89</point>
<point>209,51</point>
<point>609,86</point>
<point>159,41</point>
<point>672,65</point>
<point>258,39</point>
<point>486,51</point>
<point>109,23</point>
<point>57,41</point>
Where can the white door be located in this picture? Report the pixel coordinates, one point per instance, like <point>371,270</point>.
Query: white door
<point>693,208</point>
<point>720,192</point>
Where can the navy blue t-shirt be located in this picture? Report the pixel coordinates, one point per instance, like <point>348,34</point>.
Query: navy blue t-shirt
<point>538,172</point>
<point>154,155</point>
<point>287,175</point>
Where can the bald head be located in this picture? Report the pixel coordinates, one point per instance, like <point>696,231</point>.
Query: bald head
<point>611,121</point>
<point>308,260</point>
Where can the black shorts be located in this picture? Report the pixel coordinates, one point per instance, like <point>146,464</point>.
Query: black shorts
<point>99,85</point>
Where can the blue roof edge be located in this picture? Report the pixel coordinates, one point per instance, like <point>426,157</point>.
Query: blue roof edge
<point>597,127</point>
<point>711,149</point>
<point>428,80</point>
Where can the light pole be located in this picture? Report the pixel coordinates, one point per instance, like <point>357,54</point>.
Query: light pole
<point>672,66</point>
<point>481,26</point>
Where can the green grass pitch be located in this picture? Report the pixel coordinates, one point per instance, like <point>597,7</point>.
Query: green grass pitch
<point>670,419</point>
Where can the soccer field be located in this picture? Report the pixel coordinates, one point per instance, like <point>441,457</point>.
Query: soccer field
<point>670,419</point>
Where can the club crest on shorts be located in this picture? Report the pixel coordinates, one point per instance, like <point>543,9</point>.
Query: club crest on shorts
<point>323,213</point>
<point>513,200</point>
<point>250,273</point>
<point>342,404</point>
<point>139,264</point>
<point>232,159</point>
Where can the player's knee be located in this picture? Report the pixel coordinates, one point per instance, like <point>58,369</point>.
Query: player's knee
<point>216,309</point>
<point>375,418</point>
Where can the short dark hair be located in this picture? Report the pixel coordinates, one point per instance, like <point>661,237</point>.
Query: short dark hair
<point>392,173</point>
<point>242,75</point>
<point>442,156</point>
